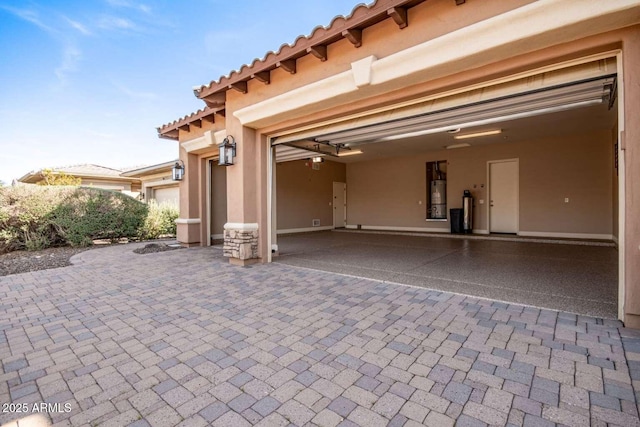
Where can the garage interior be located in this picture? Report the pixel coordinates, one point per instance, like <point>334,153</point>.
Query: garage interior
<point>374,178</point>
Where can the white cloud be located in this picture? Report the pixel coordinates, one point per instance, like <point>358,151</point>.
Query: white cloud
<point>70,57</point>
<point>30,16</point>
<point>134,94</point>
<point>109,22</point>
<point>130,5</point>
<point>78,26</point>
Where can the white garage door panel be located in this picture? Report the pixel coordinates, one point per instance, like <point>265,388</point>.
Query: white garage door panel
<point>167,195</point>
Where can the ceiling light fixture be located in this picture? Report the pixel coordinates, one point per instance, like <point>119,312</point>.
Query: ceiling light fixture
<point>478,134</point>
<point>349,153</point>
<point>462,145</point>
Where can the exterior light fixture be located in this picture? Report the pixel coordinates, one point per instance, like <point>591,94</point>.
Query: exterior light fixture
<point>477,134</point>
<point>178,170</point>
<point>317,160</point>
<point>227,151</point>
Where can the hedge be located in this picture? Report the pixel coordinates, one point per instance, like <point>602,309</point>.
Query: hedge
<point>35,217</point>
<point>161,220</point>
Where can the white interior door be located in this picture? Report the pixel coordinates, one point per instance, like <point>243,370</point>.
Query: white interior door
<point>503,196</point>
<point>339,205</point>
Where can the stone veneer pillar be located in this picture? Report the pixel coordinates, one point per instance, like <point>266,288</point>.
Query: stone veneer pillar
<point>241,243</point>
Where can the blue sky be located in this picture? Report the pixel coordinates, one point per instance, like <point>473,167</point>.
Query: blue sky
<point>89,81</point>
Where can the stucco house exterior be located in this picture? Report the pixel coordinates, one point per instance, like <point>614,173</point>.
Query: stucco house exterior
<point>383,118</point>
<point>91,176</point>
<point>156,182</point>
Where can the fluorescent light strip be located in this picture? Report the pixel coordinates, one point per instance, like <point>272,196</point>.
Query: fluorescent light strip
<point>461,145</point>
<point>478,134</point>
<point>349,153</point>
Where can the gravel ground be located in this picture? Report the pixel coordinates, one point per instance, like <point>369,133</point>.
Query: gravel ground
<point>25,261</point>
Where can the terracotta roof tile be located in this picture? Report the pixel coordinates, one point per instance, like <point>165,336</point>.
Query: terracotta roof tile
<point>349,27</point>
<point>361,16</point>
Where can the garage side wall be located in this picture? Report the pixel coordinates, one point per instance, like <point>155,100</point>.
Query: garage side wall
<point>305,194</point>
<point>392,192</point>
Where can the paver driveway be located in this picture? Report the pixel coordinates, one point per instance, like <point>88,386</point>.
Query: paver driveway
<point>182,337</point>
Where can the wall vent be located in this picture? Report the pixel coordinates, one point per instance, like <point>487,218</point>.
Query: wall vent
<point>315,223</point>
<point>316,166</point>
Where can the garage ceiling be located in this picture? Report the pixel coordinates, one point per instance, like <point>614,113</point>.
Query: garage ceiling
<point>567,108</point>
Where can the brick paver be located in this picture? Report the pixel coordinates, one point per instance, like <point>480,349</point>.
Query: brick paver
<point>184,338</point>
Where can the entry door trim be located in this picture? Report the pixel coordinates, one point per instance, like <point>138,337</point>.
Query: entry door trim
<point>209,162</point>
<point>344,205</point>
<point>489,163</point>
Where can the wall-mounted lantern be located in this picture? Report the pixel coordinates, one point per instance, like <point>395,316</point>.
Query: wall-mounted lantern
<point>178,170</point>
<point>227,151</point>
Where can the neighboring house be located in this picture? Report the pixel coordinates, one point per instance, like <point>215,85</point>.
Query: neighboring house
<point>157,182</point>
<point>530,105</point>
<point>92,176</point>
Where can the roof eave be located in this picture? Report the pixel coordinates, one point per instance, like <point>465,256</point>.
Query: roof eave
<point>349,27</point>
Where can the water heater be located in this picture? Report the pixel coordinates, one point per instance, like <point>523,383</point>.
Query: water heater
<point>439,199</point>
<point>467,212</point>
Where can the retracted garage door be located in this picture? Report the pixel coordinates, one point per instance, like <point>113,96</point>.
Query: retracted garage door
<point>569,88</point>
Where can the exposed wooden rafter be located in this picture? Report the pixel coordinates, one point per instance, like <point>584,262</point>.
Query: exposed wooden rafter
<point>319,52</point>
<point>215,99</point>
<point>186,127</point>
<point>172,134</point>
<point>354,35</point>
<point>197,123</point>
<point>289,65</point>
<point>240,86</point>
<point>263,76</point>
<point>210,118</point>
<point>222,112</point>
<point>399,15</point>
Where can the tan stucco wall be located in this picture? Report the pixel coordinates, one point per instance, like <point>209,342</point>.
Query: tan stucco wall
<point>387,192</point>
<point>631,146</point>
<point>106,184</point>
<point>304,194</point>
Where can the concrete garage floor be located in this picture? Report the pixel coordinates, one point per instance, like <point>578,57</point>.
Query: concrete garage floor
<point>576,278</point>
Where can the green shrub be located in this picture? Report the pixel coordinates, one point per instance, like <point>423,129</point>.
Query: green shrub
<point>92,213</point>
<point>161,220</point>
<point>35,217</point>
<point>24,216</point>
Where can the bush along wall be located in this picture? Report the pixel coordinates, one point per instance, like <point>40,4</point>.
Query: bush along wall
<point>91,213</point>
<point>160,221</point>
<point>35,217</point>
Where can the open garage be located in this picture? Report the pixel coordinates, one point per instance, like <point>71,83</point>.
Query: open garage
<point>435,117</point>
<point>535,155</point>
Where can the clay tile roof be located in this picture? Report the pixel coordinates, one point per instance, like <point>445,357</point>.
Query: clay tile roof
<point>349,27</point>
<point>170,130</point>
<point>88,169</point>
